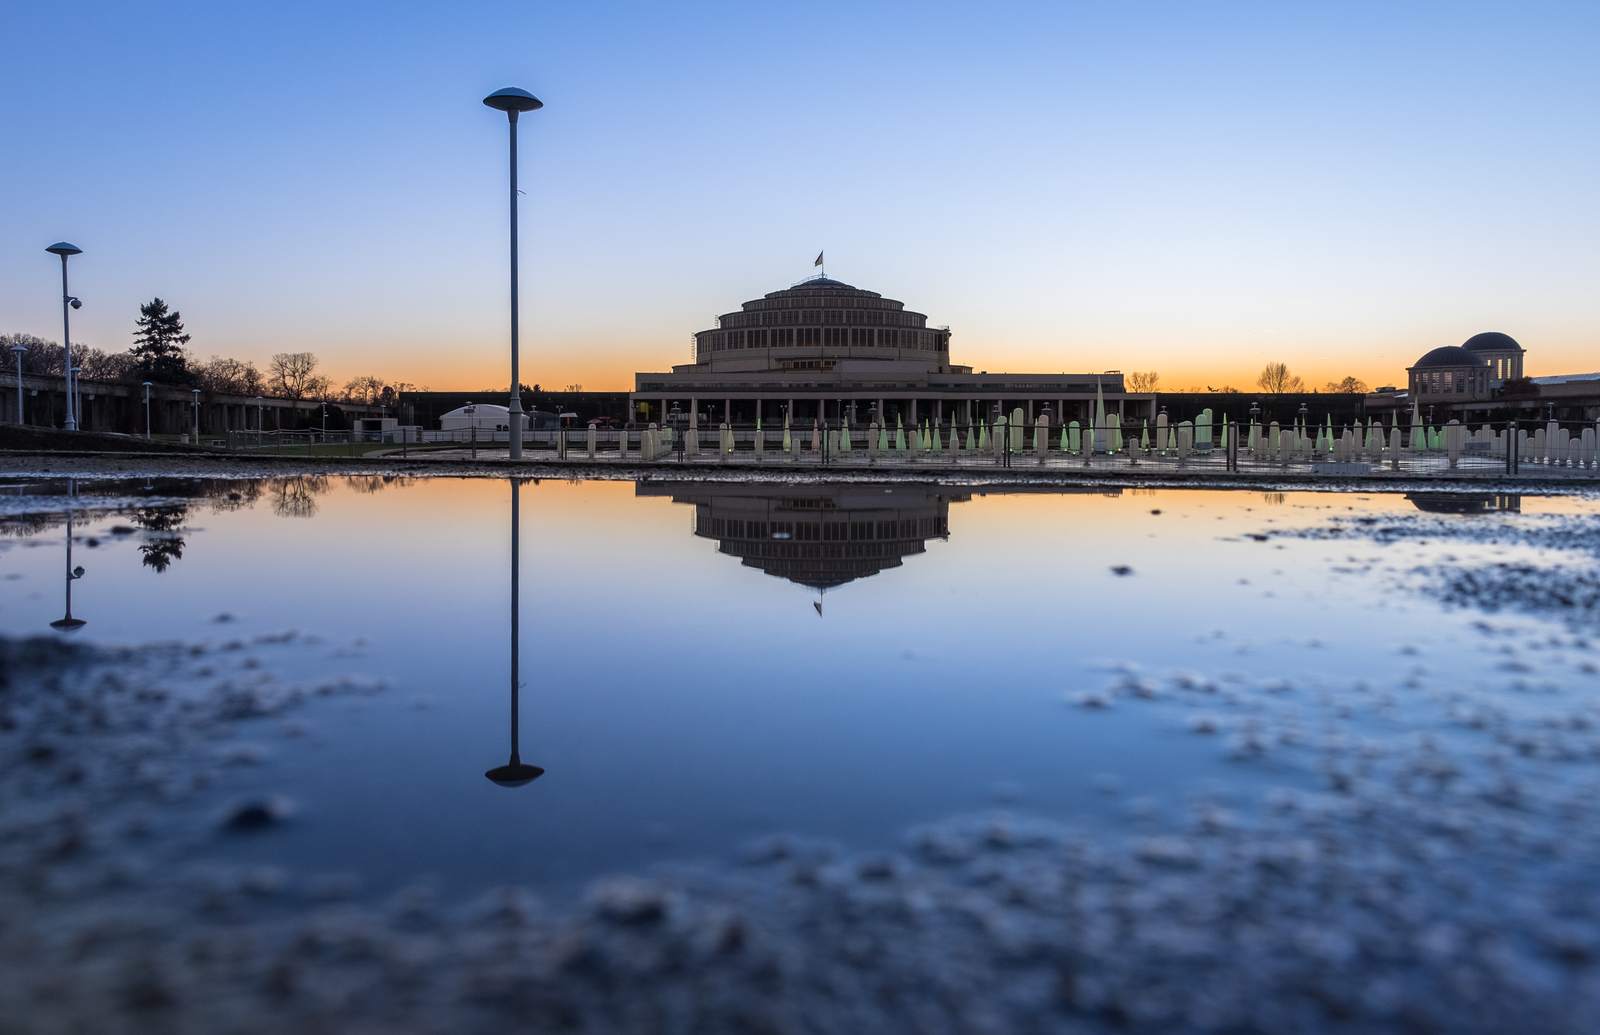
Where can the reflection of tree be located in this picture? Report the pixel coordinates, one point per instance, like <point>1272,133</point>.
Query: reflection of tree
<point>160,551</point>
<point>23,525</point>
<point>376,483</point>
<point>160,519</point>
<point>296,497</point>
<point>234,495</point>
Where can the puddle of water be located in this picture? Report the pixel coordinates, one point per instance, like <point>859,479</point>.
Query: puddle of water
<point>705,665</point>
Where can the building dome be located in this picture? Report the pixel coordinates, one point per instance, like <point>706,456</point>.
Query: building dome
<point>1492,341</point>
<point>815,324</point>
<point>1450,356</point>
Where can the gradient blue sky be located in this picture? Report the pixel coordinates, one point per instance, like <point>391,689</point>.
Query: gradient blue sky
<point>1191,188</point>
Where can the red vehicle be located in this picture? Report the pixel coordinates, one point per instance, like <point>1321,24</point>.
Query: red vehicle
<point>604,422</point>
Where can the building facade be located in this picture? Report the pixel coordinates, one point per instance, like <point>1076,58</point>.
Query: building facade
<point>823,349</point>
<point>1483,379</point>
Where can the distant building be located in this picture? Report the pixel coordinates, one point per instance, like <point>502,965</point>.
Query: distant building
<point>489,417</point>
<point>822,348</point>
<point>1483,379</point>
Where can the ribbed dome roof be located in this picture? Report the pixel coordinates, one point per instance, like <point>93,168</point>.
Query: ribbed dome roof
<point>1451,356</point>
<point>1492,341</point>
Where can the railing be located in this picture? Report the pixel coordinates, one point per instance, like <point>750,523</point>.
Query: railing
<point>1487,448</point>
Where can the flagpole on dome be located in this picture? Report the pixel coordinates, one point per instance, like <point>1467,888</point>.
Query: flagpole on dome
<point>819,263</point>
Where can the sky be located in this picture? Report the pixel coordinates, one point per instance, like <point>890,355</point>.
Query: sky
<point>1191,188</point>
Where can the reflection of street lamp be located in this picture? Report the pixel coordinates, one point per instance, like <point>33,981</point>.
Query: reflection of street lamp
<point>67,623</point>
<point>515,773</point>
<point>64,249</point>
<point>514,102</point>
<point>19,350</point>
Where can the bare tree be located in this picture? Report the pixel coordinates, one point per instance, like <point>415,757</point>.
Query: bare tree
<point>1275,378</point>
<point>97,365</point>
<point>1145,381</point>
<point>48,357</point>
<point>292,375</point>
<point>1349,386</point>
<point>228,376</point>
<point>366,389</point>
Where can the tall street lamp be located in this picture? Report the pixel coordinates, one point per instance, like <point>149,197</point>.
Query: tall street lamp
<point>64,249</point>
<point>513,102</point>
<point>19,350</point>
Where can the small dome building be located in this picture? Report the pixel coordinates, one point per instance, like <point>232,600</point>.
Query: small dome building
<point>1452,373</point>
<point>1500,351</point>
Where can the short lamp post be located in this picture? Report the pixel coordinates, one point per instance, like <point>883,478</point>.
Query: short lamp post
<point>513,102</point>
<point>196,393</point>
<point>63,249</point>
<point>147,387</point>
<point>260,427</point>
<point>18,350</point>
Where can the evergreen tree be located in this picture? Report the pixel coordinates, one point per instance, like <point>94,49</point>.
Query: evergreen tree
<point>158,346</point>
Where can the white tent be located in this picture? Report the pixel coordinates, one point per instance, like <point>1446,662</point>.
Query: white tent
<point>484,416</point>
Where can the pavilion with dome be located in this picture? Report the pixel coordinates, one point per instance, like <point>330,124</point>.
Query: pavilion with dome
<point>825,349</point>
<point>1469,382</point>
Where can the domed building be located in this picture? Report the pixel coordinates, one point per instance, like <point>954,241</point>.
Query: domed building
<point>817,324</point>
<point>1500,351</point>
<point>825,349</point>
<point>1467,382</point>
<point>1450,374</point>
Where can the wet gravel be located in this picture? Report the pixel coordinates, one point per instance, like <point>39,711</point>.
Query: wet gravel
<point>1436,874</point>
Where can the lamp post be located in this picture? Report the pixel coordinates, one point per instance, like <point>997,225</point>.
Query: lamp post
<point>19,350</point>
<point>514,102</point>
<point>515,773</point>
<point>76,406</point>
<point>196,393</point>
<point>67,623</point>
<point>259,427</point>
<point>147,387</point>
<point>64,249</point>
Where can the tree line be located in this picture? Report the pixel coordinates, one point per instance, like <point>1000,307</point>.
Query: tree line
<point>1275,378</point>
<point>159,355</point>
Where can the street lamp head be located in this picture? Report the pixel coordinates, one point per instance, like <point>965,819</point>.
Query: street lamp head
<point>64,249</point>
<point>517,774</point>
<point>148,384</point>
<point>510,100</point>
<point>19,349</point>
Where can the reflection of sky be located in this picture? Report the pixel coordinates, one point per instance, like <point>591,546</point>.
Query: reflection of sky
<point>682,703</point>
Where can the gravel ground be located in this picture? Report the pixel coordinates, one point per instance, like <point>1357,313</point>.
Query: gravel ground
<point>1437,881</point>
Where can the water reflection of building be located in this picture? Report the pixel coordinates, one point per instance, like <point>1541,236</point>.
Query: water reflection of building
<point>1464,503</point>
<point>820,536</point>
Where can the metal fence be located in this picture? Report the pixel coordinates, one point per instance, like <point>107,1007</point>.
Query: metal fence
<point>1504,447</point>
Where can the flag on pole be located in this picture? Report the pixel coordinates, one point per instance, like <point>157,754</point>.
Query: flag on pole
<point>819,260</point>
